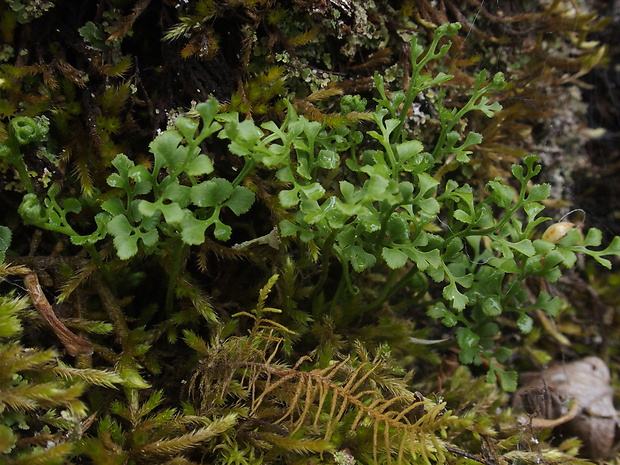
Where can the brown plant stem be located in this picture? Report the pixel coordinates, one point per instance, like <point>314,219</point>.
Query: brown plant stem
<point>74,344</point>
<point>112,308</point>
<point>469,456</point>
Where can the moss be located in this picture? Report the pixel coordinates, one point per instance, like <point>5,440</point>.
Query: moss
<point>110,74</point>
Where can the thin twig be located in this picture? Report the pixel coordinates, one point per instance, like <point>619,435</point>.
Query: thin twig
<point>468,455</point>
<point>112,308</point>
<point>74,344</point>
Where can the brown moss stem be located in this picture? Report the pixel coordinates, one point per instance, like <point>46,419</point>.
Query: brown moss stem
<point>112,308</point>
<point>74,344</point>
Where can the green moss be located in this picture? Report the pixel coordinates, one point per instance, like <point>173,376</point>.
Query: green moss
<point>206,378</point>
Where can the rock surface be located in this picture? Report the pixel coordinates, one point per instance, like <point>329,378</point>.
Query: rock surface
<point>578,396</point>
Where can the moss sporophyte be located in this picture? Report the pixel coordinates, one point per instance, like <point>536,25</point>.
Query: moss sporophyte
<point>364,200</point>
